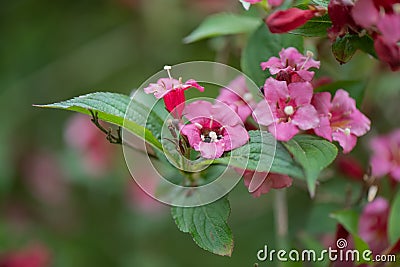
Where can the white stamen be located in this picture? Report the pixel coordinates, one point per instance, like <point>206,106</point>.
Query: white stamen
<point>168,68</point>
<point>309,55</point>
<point>372,191</point>
<point>289,110</point>
<point>213,136</point>
<point>247,97</point>
<point>198,125</point>
<point>202,137</point>
<point>347,131</point>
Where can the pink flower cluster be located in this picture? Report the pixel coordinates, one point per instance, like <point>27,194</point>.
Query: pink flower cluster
<point>381,19</point>
<point>295,107</point>
<point>386,155</point>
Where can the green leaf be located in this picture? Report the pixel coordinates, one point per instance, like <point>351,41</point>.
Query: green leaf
<point>260,149</point>
<point>262,45</point>
<point>223,24</point>
<point>111,107</point>
<point>207,225</point>
<point>356,89</point>
<point>313,154</point>
<point>323,3</point>
<point>394,220</point>
<point>345,47</point>
<point>347,218</point>
<point>315,27</point>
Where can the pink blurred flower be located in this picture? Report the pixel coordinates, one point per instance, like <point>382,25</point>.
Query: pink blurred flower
<point>140,200</point>
<point>213,129</point>
<point>351,167</point>
<point>238,96</point>
<point>291,66</point>
<point>44,177</point>
<point>340,120</point>
<point>386,155</point>
<point>97,153</point>
<point>283,21</point>
<point>290,106</point>
<point>172,92</point>
<point>32,256</point>
<point>271,180</point>
<point>372,226</point>
<point>383,22</point>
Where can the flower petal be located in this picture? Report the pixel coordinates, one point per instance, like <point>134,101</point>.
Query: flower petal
<point>306,117</point>
<point>301,93</point>
<point>346,141</point>
<point>284,131</point>
<point>198,109</point>
<point>193,135</point>
<point>236,137</point>
<point>211,150</point>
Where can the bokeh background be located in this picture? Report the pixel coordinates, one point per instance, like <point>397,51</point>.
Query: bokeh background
<point>66,196</point>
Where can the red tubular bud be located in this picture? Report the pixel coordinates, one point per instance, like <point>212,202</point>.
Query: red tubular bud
<point>283,21</point>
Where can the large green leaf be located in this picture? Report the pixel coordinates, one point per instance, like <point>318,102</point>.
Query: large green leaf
<point>223,24</point>
<point>262,45</point>
<point>356,89</point>
<point>394,220</point>
<point>207,225</point>
<point>111,107</point>
<point>315,27</point>
<point>313,154</point>
<point>258,154</point>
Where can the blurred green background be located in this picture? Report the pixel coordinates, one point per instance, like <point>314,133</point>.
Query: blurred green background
<point>62,186</point>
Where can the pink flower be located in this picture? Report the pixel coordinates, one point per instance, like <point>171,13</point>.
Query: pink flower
<point>290,107</point>
<point>32,256</point>
<point>291,66</point>
<point>213,129</point>
<point>372,225</point>
<point>172,92</point>
<point>283,21</point>
<point>238,96</point>
<point>340,120</point>
<point>270,180</point>
<point>386,155</point>
<point>97,153</point>
<point>383,22</point>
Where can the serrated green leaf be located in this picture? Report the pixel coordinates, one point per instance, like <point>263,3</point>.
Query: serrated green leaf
<point>394,220</point>
<point>356,89</point>
<point>207,225</point>
<point>111,107</point>
<point>313,154</point>
<point>223,24</point>
<point>258,154</point>
<point>262,45</point>
<point>315,27</point>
